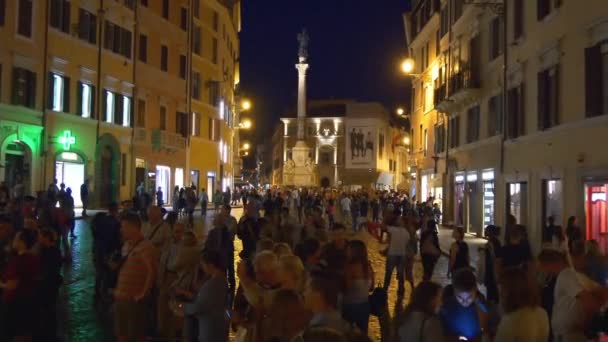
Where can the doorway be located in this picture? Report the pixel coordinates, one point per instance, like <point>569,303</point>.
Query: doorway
<point>210,185</point>
<point>517,202</point>
<point>163,180</point>
<point>107,160</point>
<point>17,163</point>
<point>596,213</point>
<point>70,170</point>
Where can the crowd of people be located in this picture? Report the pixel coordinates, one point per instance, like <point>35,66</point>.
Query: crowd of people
<point>303,269</point>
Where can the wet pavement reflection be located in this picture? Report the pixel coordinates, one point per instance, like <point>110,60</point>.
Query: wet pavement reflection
<point>79,320</point>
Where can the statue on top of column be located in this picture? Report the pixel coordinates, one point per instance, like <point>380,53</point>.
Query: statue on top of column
<point>303,38</point>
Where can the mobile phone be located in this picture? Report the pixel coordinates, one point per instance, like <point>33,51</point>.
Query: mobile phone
<point>462,338</point>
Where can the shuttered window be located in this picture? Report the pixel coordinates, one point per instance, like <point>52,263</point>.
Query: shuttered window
<point>548,98</point>
<point>24,88</point>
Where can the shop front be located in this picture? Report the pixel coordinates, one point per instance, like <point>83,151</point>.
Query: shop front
<point>459,190</point>
<point>596,212</point>
<point>70,169</point>
<point>489,186</point>
<point>474,204</point>
<point>517,201</point>
<point>19,156</point>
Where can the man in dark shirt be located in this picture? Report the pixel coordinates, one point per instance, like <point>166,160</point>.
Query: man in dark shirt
<point>84,197</point>
<point>106,244</point>
<point>549,230</point>
<point>248,231</point>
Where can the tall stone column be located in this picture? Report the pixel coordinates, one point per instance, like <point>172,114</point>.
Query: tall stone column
<point>302,68</point>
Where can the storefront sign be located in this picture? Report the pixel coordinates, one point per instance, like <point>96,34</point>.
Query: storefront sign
<point>67,140</point>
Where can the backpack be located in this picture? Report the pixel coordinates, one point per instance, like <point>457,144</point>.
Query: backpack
<point>378,301</point>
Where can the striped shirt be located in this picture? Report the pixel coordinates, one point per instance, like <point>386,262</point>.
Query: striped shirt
<point>133,273</point>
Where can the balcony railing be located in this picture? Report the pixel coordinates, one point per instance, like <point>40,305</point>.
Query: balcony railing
<point>440,94</point>
<point>462,80</point>
<point>163,140</point>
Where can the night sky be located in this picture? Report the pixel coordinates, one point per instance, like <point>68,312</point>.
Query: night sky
<point>354,52</point>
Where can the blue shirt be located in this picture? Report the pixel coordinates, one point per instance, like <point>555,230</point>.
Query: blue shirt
<point>458,320</point>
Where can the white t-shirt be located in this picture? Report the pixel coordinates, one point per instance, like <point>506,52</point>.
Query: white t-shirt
<point>399,240</point>
<point>345,203</point>
<point>525,324</point>
<point>567,312</point>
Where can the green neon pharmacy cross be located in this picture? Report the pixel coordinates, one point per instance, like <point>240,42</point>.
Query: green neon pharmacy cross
<point>67,140</point>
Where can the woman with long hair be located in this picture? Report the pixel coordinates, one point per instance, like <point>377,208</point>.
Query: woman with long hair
<point>420,322</point>
<point>358,280</point>
<point>524,319</point>
<point>429,249</point>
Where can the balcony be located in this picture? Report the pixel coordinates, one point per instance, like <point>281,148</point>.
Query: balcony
<point>167,141</point>
<point>463,89</point>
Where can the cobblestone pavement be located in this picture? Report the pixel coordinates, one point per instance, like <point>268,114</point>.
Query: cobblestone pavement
<point>80,321</point>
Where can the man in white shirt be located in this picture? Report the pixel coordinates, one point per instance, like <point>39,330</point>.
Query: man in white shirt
<point>577,298</point>
<point>397,250</point>
<point>345,206</point>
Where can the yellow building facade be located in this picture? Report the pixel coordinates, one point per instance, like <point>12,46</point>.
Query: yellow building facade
<point>534,152</point>
<point>98,90</point>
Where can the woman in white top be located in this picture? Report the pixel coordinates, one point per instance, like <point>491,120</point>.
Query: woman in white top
<point>524,319</point>
<point>420,321</point>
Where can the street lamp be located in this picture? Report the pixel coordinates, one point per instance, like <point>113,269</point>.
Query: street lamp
<point>246,105</point>
<point>246,146</point>
<point>245,124</point>
<point>400,111</point>
<point>407,67</point>
<point>406,140</point>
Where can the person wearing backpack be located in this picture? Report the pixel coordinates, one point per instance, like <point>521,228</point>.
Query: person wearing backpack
<point>420,322</point>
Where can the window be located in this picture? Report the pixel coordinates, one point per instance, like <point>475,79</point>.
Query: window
<point>515,118</point>
<point>2,10</point>
<point>126,112</point>
<point>164,58</point>
<point>438,44</point>
<point>59,93</point>
<point>196,85</point>
<point>117,39</point>
<point>183,18</point>
<point>86,99</point>
<point>196,39</point>
<point>124,168</point>
<point>214,94</point>
<point>163,118</point>
<point>473,124</point>
<point>196,125</point>
<point>496,38</point>
<point>60,15</point>
<point>596,80</point>
<point>454,131</point>
<point>495,116</point>
<point>439,131</point>
<point>87,26</point>
<point>181,124</point>
<point>445,21</point>
<point>24,18</point>
<point>518,19</point>
<point>216,21</point>
<point>475,61</point>
<point>196,7</point>
<point>109,104</point>
<point>166,9</point>
<point>24,87</point>
<point>420,138</point>
<point>140,119</point>
<point>182,67</point>
<point>426,141</point>
<point>456,10</point>
<point>214,51</point>
<point>143,48</point>
<point>543,8</point>
<point>214,130</point>
<point>548,98</point>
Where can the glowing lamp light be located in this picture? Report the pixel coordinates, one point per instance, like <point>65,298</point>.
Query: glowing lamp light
<point>67,140</point>
<point>407,66</point>
<point>246,146</point>
<point>246,124</point>
<point>406,140</point>
<point>400,111</point>
<point>246,105</point>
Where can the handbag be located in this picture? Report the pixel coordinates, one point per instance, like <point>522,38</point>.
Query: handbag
<point>378,301</point>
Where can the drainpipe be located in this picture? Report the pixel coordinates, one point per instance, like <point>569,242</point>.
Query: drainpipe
<point>189,114</point>
<point>45,66</point>
<point>447,198</point>
<point>100,16</point>
<point>134,101</point>
<point>505,102</point>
